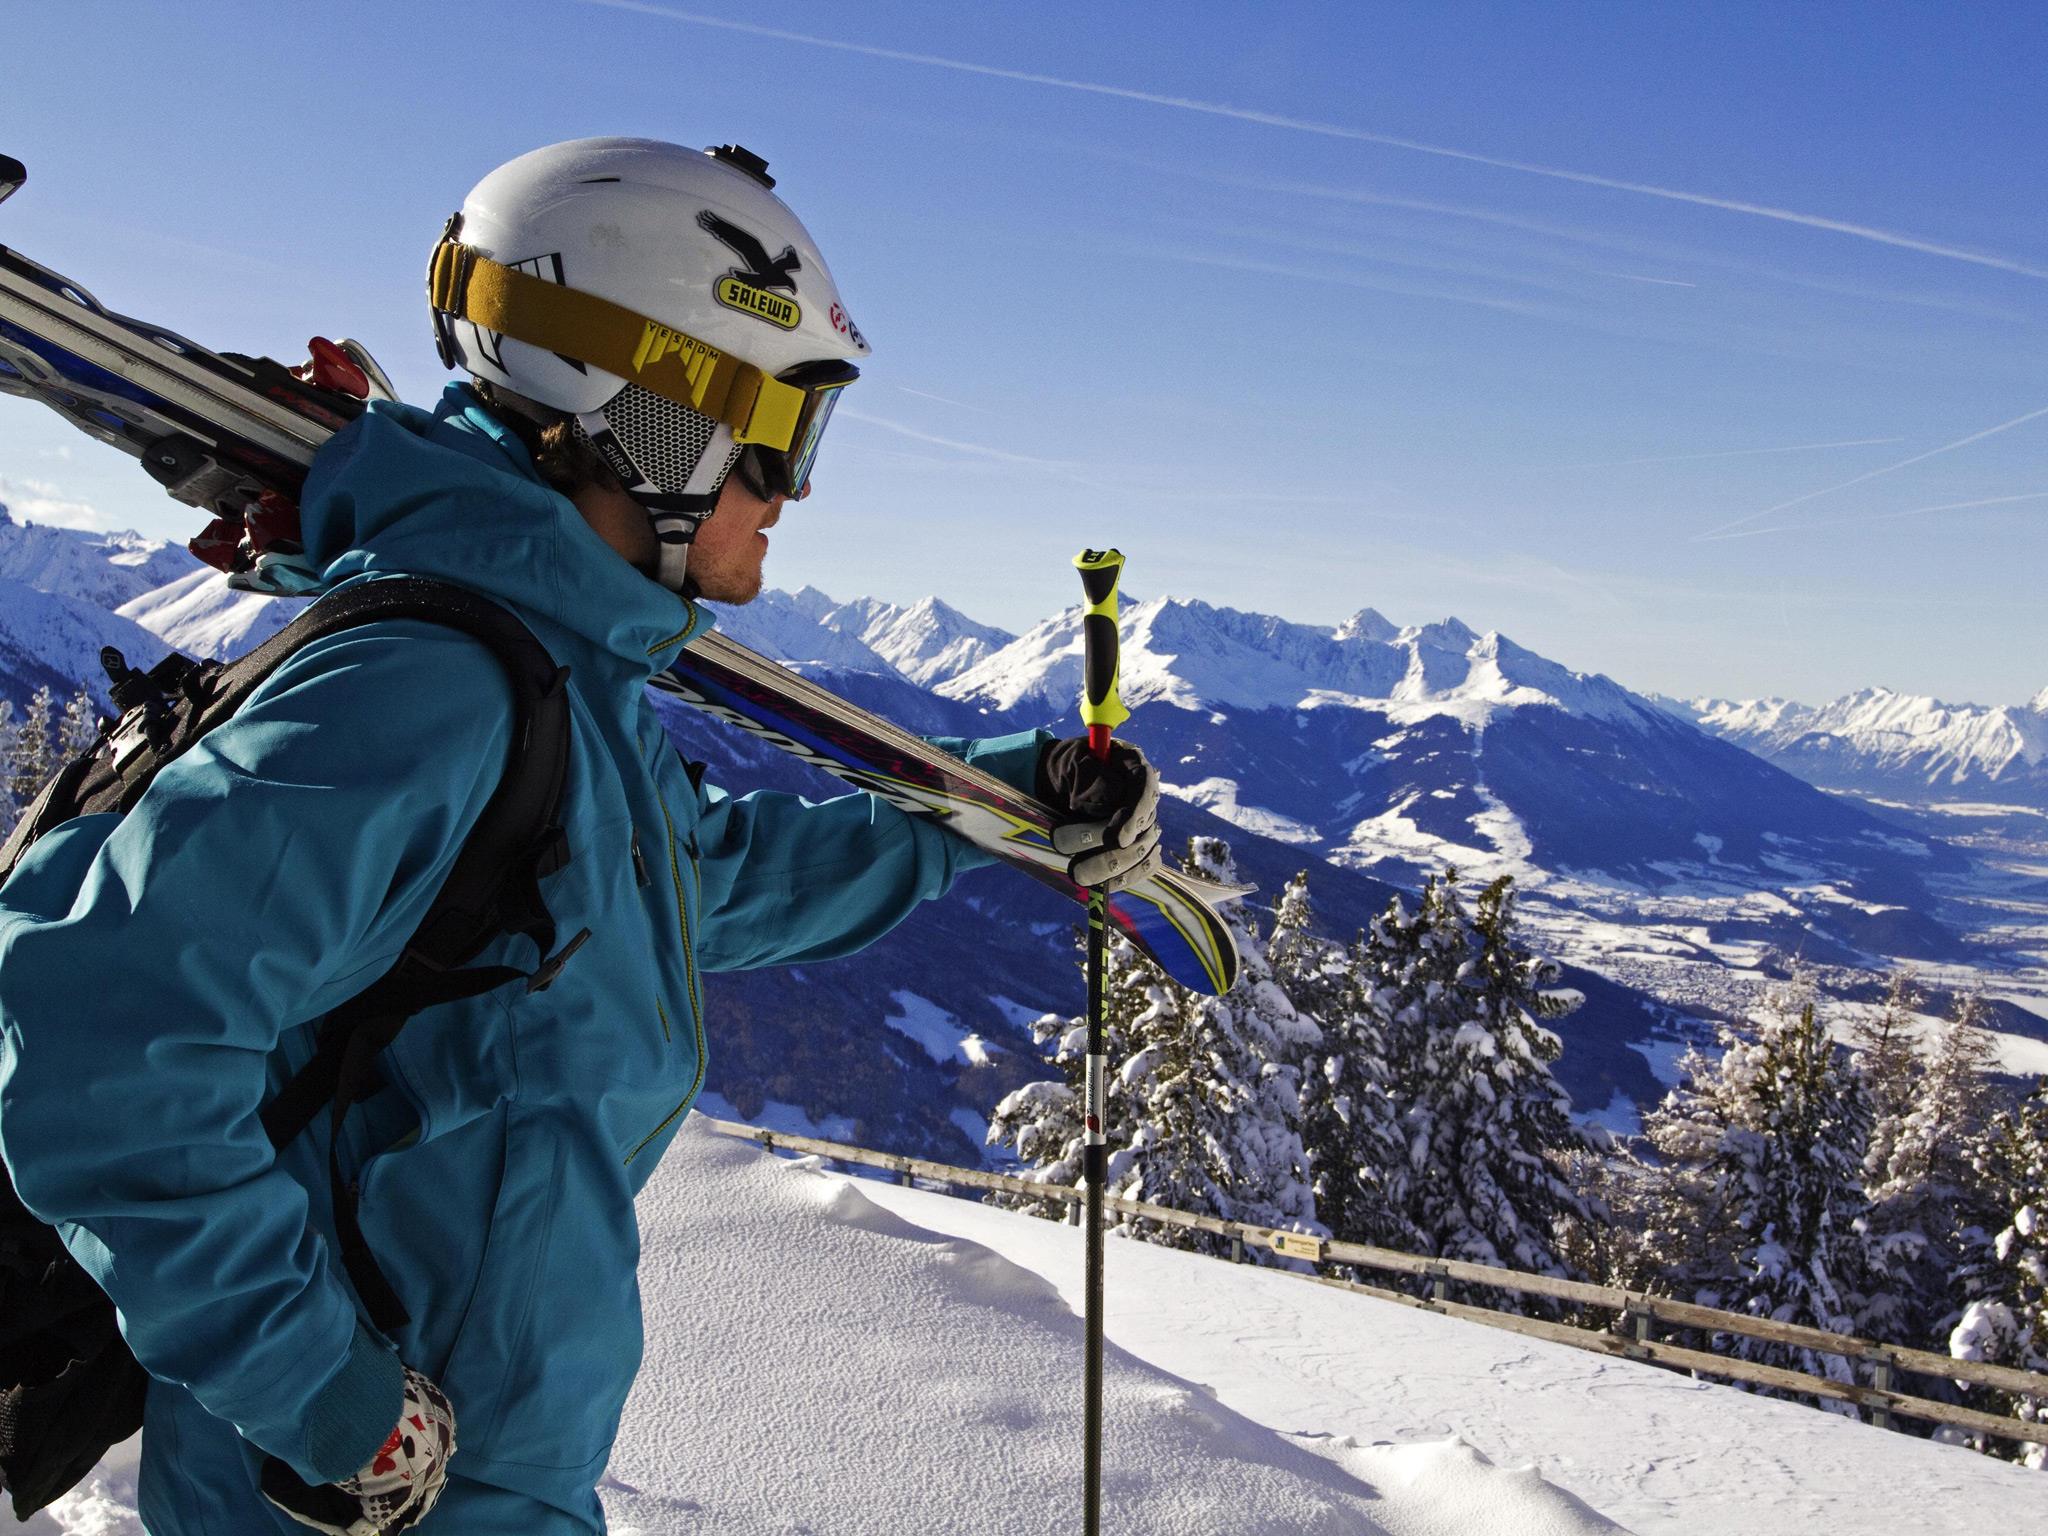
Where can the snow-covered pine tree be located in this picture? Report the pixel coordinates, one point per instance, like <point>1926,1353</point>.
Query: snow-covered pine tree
<point>1890,1063</point>
<point>1041,1121</point>
<point>1347,1114</point>
<point>80,727</point>
<point>10,808</point>
<point>34,757</point>
<point>1307,967</point>
<point>1610,1246</point>
<point>1926,1207</point>
<point>1203,1111</point>
<point>1216,1094</point>
<point>2007,1321</point>
<point>1406,969</point>
<point>1486,1124</point>
<point>1760,1197</point>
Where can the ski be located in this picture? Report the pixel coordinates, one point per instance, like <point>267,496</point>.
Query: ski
<point>1172,917</point>
<point>232,436</point>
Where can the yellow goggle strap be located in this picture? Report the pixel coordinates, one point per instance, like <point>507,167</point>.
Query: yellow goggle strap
<point>662,360</point>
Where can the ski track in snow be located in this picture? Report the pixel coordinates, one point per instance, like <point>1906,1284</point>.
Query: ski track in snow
<point>829,1356</point>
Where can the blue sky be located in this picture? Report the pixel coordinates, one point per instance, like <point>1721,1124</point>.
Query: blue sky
<point>1694,345</point>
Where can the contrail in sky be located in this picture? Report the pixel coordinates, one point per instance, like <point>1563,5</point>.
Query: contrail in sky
<point>1961,442</point>
<point>1734,453</point>
<point>958,445</point>
<point>1886,517</point>
<point>1338,131</point>
<point>925,394</point>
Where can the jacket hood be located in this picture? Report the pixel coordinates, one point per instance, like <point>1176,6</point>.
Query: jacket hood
<point>452,493</point>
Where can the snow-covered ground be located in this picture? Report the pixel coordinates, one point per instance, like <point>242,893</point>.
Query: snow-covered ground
<point>833,1355</point>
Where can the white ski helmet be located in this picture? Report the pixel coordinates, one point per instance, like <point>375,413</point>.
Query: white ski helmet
<point>663,297</point>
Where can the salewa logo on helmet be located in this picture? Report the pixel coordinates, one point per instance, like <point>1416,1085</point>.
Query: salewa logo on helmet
<point>746,288</point>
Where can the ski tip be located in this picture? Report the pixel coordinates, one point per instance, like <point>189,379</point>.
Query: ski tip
<point>12,174</point>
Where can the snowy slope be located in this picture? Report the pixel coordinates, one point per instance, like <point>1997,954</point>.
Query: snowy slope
<point>103,569</point>
<point>53,641</point>
<point>1878,741</point>
<point>845,1357</point>
<point>201,615</point>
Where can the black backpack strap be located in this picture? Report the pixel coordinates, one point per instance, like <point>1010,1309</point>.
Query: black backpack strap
<point>494,887</point>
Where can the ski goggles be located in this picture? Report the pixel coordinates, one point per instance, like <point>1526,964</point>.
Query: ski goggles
<point>770,472</point>
<point>783,416</point>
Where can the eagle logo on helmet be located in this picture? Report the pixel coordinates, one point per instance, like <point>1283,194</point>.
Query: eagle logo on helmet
<point>748,288</point>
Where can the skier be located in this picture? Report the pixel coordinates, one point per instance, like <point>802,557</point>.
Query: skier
<point>160,973</point>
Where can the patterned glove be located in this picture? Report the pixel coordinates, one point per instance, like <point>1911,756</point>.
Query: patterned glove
<point>398,1487</point>
<point>1112,840</point>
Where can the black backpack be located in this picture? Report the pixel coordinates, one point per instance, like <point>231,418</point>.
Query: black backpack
<point>69,1387</point>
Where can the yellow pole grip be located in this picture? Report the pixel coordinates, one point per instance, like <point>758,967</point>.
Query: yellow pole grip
<point>1101,709</point>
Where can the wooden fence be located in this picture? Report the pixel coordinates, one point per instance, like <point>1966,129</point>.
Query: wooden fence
<point>1640,1314</point>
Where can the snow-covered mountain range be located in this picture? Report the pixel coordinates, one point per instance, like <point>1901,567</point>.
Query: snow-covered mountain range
<point>1883,743</point>
<point>925,643</point>
<point>1198,657</point>
<point>1399,750</point>
<point>104,569</point>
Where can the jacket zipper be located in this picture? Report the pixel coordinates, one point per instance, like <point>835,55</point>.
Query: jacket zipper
<point>689,976</point>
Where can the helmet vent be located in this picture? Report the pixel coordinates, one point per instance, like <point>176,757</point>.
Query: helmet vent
<point>665,439</point>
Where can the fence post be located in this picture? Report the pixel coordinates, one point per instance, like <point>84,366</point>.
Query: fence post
<point>1439,1285</point>
<point>1881,1378</point>
<point>1642,1317</point>
<point>903,1176</point>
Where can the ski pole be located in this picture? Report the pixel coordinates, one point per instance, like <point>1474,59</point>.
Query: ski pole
<point>1101,711</point>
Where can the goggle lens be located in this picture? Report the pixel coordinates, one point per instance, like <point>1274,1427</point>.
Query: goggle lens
<point>769,473</point>
<point>810,432</point>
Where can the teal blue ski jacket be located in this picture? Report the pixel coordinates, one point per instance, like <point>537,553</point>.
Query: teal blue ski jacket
<point>159,973</point>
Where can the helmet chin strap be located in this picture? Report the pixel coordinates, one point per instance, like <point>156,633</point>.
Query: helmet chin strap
<point>675,529</point>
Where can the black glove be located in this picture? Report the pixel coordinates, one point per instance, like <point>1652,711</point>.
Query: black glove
<point>1108,810</point>
<point>397,1488</point>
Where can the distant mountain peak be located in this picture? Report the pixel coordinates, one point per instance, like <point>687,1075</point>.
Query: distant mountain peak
<point>1367,624</point>
<point>811,603</point>
<point>1880,739</point>
<point>927,642</point>
<point>1450,633</point>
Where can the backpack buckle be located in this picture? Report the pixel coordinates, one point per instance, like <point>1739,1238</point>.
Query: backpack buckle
<point>544,977</point>
<point>146,723</point>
